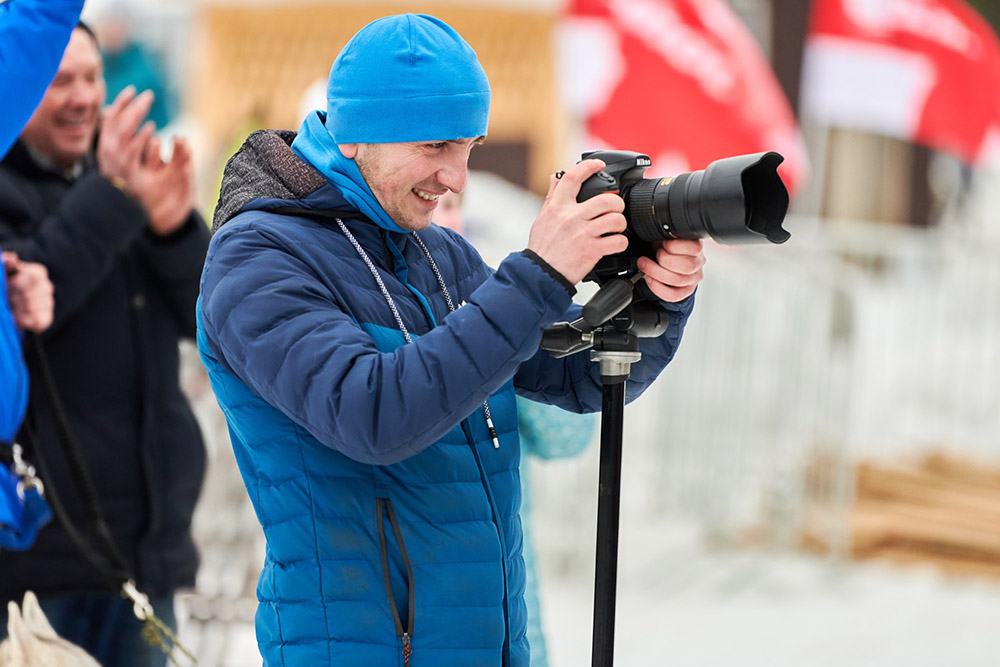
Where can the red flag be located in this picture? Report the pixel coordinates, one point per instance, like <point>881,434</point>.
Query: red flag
<point>680,80</point>
<point>926,71</point>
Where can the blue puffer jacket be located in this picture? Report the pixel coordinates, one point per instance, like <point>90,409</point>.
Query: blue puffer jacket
<point>13,374</point>
<point>391,519</point>
<point>33,36</point>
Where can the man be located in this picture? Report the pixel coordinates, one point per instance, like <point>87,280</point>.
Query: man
<point>129,62</point>
<point>116,228</point>
<point>367,360</point>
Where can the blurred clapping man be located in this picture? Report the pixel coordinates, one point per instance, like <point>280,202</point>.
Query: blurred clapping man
<point>115,225</point>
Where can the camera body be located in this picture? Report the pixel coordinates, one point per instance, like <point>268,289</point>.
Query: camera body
<point>735,200</point>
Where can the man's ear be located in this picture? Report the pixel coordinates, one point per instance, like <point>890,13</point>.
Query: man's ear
<point>350,151</point>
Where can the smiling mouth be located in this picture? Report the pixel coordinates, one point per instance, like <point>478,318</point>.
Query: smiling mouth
<point>81,124</point>
<point>426,196</point>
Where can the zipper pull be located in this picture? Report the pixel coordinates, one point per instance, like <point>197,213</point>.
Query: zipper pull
<point>493,433</point>
<point>490,426</point>
<point>406,648</point>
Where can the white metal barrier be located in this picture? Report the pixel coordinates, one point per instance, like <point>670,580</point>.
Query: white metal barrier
<point>851,341</point>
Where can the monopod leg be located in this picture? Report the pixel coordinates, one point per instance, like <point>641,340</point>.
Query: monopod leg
<point>606,572</point>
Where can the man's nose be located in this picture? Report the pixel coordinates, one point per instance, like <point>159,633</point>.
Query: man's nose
<point>84,94</point>
<point>454,174</point>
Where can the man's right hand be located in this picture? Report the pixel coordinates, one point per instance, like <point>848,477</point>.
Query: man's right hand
<point>572,236</point>
<point>130,157</point>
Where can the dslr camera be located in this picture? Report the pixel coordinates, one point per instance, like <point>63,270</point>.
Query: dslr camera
<point>735,200</point>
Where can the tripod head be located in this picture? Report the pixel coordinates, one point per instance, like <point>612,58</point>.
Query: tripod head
<point>611,326</point>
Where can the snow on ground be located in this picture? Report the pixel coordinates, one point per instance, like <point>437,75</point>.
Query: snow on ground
<point>684,605</point>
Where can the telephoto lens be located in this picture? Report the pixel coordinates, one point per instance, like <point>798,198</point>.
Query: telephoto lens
<point>735,200</point>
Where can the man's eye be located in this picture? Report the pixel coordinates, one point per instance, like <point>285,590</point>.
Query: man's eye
<point>437,145</point>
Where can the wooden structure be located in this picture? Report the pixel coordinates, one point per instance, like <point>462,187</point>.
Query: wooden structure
<point>940,511</point>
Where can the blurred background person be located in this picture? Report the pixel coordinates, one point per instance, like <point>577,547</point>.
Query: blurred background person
<point>546,432</point>
<point>116,228</point>
<point>128,61</point>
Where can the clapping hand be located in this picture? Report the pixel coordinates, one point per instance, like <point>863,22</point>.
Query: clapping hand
<point>130,156</point>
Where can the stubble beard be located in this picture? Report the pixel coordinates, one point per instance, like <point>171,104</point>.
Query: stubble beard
<point>372,173</point>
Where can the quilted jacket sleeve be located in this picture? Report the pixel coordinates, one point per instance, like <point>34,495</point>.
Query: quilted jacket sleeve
<point>268,318</point>
<point>33,36</point>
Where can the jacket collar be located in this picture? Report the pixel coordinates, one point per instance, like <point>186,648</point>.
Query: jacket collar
<point>31,162</point>
<point>316,145</point>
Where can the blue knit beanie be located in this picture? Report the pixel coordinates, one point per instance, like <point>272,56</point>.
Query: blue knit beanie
<point>409,77</point>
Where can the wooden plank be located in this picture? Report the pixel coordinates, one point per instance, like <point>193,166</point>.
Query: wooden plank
<point>921,488</point>
<point>874,529</point>
<point>965,470</point>
<point>952,565</point>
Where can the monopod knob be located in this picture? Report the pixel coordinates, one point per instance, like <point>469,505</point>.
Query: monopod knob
<point>613,297</point>
<point>562,340</point>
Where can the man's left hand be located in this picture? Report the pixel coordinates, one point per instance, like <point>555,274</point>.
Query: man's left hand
<point>29,292</point>
<point>677,270</point>
<point>166,189</point>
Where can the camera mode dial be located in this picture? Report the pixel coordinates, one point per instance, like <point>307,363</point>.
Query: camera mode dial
<point>600,182</point>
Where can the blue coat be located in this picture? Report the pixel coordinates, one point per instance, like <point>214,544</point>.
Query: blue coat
<point>33,36</point>
<point>13,374</point>
<point>391,519</point>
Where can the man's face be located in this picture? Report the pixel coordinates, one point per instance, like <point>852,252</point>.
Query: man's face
<point>408,178</point>
<point>63,126</point>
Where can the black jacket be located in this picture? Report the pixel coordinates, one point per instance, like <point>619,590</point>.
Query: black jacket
<point>124,298</point>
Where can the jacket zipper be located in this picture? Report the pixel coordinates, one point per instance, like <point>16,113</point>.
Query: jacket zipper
<point>406,635</point>
<point>484,479</point>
